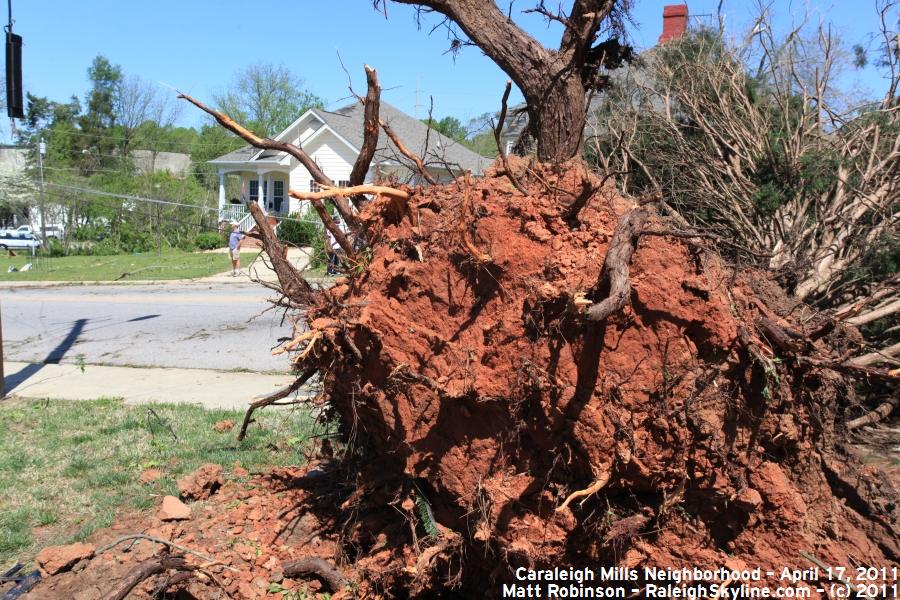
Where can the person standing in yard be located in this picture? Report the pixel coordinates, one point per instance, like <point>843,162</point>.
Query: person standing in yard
<point>234,248</point>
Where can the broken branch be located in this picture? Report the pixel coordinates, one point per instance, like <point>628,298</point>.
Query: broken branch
<point>372,104</point>
<point>330,192</point>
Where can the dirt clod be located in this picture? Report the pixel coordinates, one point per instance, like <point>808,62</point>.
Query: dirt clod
<point>56,559</point>
<point>173,509</point>
<point>149,476</point>
<point>224,426</point>
<point>202,483</point>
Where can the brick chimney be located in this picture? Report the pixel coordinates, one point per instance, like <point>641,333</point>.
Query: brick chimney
<point>675,22</point>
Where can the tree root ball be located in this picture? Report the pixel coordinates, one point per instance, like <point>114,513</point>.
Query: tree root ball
<point>460,365</point>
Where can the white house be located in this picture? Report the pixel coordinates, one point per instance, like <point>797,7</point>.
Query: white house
<point>332,139</point>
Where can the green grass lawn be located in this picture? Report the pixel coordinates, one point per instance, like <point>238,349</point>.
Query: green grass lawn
<point>168,265</point>
<point>67,468</point>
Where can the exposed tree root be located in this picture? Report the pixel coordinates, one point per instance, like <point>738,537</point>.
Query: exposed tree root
<point>417,160</point>
<point>343,207</point>
<point>143,570</point>
<point>272,398</point>
<point>317,567</point>
<point>592,489</point>
<point>879,414</point>
<point>331,192</point>
<point>614,279</point>
<point>498,131</point>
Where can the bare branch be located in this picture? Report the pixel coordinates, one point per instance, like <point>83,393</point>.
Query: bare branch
<point>420,165</point>
<point>498,130</point>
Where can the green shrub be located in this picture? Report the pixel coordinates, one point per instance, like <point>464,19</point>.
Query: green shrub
<point>54,248</point>
<point>209,240</point>
<point>298,230</point>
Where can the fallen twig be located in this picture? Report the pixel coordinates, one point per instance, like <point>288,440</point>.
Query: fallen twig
<point>170,544</point>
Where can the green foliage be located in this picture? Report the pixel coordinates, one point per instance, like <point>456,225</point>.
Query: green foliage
<point>267,98</point>
<point>449,126</point>
<point>299,230</point>
<point>483,144</point>
<point>209,240</point>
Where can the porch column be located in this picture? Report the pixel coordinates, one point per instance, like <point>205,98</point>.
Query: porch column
<point>221,189</point>
<point>260,181</point>
<point>270,191</point>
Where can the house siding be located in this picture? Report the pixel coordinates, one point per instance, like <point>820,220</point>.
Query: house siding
<point>332,155</point>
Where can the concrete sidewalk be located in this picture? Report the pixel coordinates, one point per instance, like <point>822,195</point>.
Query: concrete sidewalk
<point>211,389</point>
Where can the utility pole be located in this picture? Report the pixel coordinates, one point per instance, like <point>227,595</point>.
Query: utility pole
<point>42,149</point>
<point>2,384</point>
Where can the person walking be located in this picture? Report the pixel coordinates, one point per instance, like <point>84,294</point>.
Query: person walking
<point>234,248</point>
<point>333,250</point>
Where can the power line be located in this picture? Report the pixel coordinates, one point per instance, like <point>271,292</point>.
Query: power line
<point>73,188</point>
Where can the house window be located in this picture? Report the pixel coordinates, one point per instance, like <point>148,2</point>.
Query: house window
<point>277,194</point>
<point>342,183</point>
<point>314,186</point>
<point>254,190</point>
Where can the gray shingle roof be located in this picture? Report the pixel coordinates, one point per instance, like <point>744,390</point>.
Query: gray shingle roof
<point>239,155</point>
<point>348,123</point>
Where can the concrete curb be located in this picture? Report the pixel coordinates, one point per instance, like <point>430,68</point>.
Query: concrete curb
<point>139,385</point>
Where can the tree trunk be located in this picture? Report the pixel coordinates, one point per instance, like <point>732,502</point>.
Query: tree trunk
<point>556,113</point>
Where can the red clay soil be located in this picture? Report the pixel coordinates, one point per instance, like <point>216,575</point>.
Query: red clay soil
<point>249,527</point>
<point>474,398</point>
<point>482,391</point>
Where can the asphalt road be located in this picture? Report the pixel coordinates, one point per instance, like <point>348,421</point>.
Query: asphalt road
<point>188,325</point>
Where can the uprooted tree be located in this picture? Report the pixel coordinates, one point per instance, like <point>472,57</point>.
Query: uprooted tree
<point>530,369</point>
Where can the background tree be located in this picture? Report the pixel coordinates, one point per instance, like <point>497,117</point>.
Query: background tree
<point>759,147</point>
<point>449,126</point>
<point>100,116</point>
<point>267,98</point>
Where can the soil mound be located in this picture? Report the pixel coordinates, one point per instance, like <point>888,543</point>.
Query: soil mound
<point>488,424</point>
<point>459,363</point>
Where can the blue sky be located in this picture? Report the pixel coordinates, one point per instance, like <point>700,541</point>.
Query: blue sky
<point>197,45</point>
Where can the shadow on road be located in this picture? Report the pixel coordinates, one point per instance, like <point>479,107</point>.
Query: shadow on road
<point>10,382</point>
